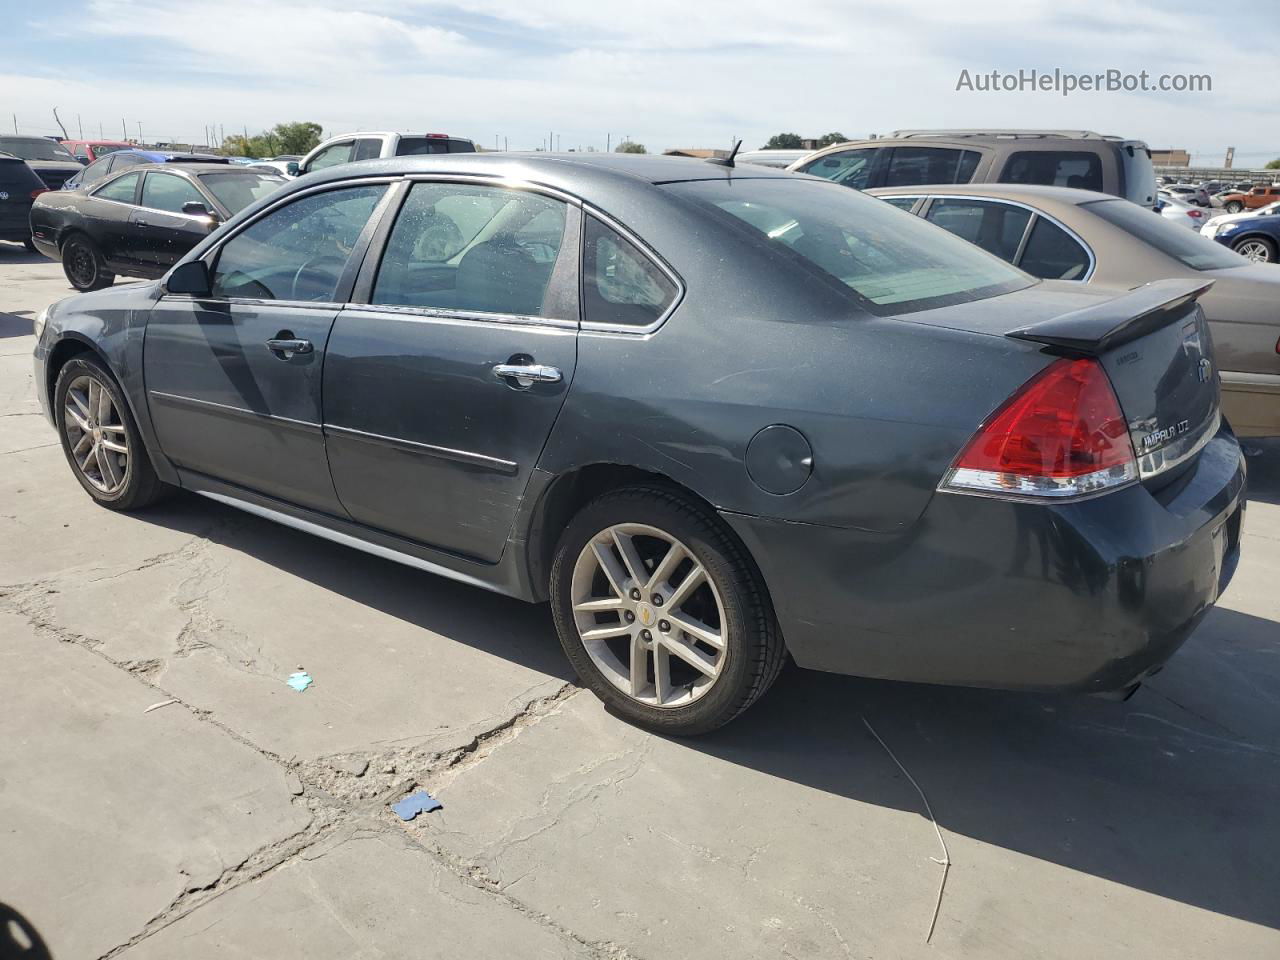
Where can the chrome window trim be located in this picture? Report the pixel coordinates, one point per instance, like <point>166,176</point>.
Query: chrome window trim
<point>180,400</point>
<point>496,464</point>
<point>431,314</point>
<point>332,305</point>
<point>1035,211</point>
<point>653,257</point>
<point>495,180</point>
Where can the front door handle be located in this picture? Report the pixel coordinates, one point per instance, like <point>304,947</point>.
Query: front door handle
<point>287,347</point>
<point>527,374</point>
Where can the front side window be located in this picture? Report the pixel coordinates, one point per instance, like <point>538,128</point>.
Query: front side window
<point>995,227</point>
<point>1051,252</point>
<point>620,284</point>
<point>122,189</point>
<point>1186,246</point>
<point>298,251</point>
<point>849,167</point>
<point>1056,168</point>
<point>912,166</point>
<point>890,261</point>
<point>471,248</point>
<point>332,156</point>
<point>168,191</point>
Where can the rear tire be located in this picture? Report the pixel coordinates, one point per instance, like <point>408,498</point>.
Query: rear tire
<point>685,643</point>
<point>1233,206</point>
<point>83,264</point>
<point>100,438</point>
<point>1257,249</point>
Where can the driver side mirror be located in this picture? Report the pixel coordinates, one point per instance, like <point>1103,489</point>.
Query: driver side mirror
<point>191,277</point>
<point>293,169</point>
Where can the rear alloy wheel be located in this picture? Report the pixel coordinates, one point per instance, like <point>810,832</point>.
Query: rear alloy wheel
<point>1257,249</point>
<point>1234,207</point>
<point>100,439</point>
<point>83,265</point>
<point>661,612</point>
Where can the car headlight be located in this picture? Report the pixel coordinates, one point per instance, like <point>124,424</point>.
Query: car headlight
<point>41,317</point>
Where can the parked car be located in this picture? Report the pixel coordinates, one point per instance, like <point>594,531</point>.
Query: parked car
<point>1255,238</point>
<point>773,157</point>
<point>1236,202</point>
<point>87,151</point>
<point>1087,238</point>
<point>141,221</point>
<point>1223,219</point>
<point>122,160</point>
<point>760,415</point>
<point>370,146</point>
<point>1180,212</point>
<point>51,161</point>
<point>1188,193</point>
<point>1065,158</point>
<point>19,186</point>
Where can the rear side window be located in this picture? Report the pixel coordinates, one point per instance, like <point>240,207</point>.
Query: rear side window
<point>902,203</point>
<point>471,248</point>
<point>1057,168</point>
<point>122,189</point>
<point>995,227</point>
<point>166,191</point>
<point>620,284</point>
<point>298,251</point>
<point>912,166</point>
<point>849,167</point>
<point>1053,254</point>
<point>367,148</point>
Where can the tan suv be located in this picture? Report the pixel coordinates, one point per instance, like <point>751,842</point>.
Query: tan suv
<point>1062,158</point>
<point>1255,198</point>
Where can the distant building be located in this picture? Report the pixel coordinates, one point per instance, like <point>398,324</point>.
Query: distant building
<point>697,153</point>
<point>1171,158</point>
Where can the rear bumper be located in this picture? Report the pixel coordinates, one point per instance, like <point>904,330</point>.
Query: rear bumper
<point>1088,596</point>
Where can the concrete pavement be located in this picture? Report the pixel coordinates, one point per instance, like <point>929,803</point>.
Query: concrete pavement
<point>248,820</point>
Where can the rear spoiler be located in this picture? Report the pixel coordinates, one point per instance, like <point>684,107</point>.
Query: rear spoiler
<point>1095,330</point>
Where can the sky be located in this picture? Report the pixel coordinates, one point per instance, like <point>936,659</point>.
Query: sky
<point>666,73</point>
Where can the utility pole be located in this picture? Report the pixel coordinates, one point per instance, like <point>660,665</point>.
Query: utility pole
<point>557,143</point>
<point>101,135</point>
<point>124,129</point>
<point>608,142</point>
<point>80,126</point>
<point>139,133</point>
<point>505,145</point>
<point>15,123</point>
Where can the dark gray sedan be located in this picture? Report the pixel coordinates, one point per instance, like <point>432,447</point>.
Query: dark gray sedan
<point>715,415</point>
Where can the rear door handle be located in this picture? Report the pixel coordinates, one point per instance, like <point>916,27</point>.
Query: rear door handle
<point>527,374</point>
<point>289,347</point>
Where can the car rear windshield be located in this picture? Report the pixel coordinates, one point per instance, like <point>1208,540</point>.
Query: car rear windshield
<point>102,149</point>
<point>35,148</point>
<point>1185,246</point>
<point>235,191</point>
<point>892,261</point>
<point>413,146</point>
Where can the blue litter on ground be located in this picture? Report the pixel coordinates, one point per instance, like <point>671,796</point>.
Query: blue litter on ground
<point>416,803</point>
<point>299,681</point>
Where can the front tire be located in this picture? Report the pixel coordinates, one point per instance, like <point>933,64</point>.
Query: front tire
<point>83,264</point>
<point>1257,249</point>
<point>662,613</point>
<point>100,439</point>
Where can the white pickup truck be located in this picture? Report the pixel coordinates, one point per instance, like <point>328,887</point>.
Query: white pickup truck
<point>371,146</point>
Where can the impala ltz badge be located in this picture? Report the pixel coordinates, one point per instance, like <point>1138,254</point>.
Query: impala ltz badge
<point>1157,437</point>
<point>1204,369</point>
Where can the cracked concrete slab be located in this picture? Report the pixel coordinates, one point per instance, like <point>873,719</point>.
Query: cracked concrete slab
<point>368,894</point>
<point>109,814</point>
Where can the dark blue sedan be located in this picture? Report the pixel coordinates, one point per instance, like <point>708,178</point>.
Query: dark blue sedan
<point>1256,237</point>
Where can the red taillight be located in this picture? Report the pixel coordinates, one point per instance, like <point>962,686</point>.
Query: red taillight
<point>1195,214</point>
<point>1061,435</point>
<point>36,193</point>
<point>438,136</point>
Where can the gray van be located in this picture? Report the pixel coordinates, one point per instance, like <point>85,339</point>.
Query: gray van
<point>1063,158</point>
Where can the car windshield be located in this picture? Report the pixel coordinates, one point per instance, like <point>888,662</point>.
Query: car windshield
<point>1186,246</point>
<point>35,148</point>
<point>891,261</point>
<point>235,191</point>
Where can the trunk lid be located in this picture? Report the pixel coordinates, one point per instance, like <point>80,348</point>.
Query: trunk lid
<point>1155,346</point>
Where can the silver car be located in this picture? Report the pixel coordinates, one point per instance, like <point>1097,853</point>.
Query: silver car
<point>1091,238</point>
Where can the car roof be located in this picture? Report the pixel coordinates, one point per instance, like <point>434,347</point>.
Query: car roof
<point>1025,192</point>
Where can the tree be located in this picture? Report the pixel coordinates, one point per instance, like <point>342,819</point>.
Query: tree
<point>827,139</point>
<point>630,146</point>
<point>1274,164</point>
<point>298,138</point>
<point>784,141</point>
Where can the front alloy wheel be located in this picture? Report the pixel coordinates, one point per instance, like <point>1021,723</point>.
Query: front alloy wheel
<point>661,611</point>
<point>96,435</point>
<point>1257,250</point>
